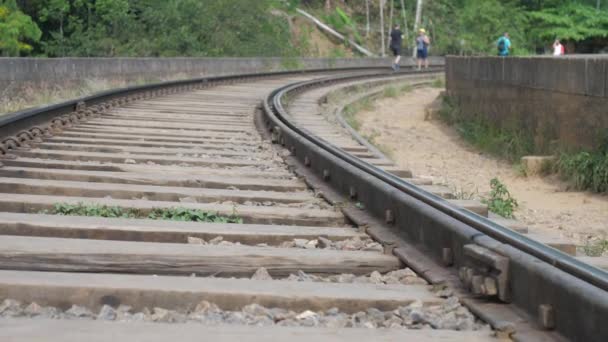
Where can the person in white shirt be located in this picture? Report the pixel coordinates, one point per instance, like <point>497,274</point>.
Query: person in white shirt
<point>558,48</point>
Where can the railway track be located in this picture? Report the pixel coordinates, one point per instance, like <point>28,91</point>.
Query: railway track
<point>283,255</point>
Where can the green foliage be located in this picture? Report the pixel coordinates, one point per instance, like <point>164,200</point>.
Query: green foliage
<point>183,214</point>
<point>17,30</point>
<point>586,170</point>
<point>595,248</point>
<point>341,22</point>
<point>500,201</point>
<point>161,28</point>
<point>507,143</point>
<point>484,21</point>
<point>172,214</point>
<point>406,88</point>
<point>571,21</point>
<point>390,92</point>
<point>438,83</point>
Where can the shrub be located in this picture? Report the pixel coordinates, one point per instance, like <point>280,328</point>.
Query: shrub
<point>172,214</point>
<point>500,202</point>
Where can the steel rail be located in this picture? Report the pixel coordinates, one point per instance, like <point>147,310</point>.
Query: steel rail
<point>565,262</point>
<point>14,123</point>
<point>538,277</point>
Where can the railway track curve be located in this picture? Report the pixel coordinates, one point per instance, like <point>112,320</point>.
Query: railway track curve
<point>315,254</point>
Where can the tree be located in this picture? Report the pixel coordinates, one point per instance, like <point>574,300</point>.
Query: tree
<point>419,5</point>
<point>56,11</point>
<point>573,21</point>
<point>16,29</point>
<point>383,48</point>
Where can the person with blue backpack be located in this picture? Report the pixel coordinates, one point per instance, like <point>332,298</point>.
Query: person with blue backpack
<point>504,45</point>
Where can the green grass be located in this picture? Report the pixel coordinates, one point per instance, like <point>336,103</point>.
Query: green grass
<point>461,193</point>
<point>509,144</point>
<point>390,92</point>
<point>595,248</point>
<point>350,112</point>
<point>371,138</point>
<point>500,202</point>
<point>438,83</point>
<point>520,169</point>
<point>406,88</point>
<point>172,214</point>
<point>586,170</point>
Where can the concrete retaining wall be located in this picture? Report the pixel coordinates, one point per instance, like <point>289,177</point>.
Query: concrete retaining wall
<point>561,102</point>
<point>14,71</point>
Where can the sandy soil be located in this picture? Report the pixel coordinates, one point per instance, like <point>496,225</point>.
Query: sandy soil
<point>434,150</point>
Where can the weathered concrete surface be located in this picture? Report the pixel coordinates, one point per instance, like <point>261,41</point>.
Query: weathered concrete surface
<point>184,293</point>
<point>38,72</point>
<point>75,255</point>
<point>100,228</point>
<point>13,330</point>
<point>555,102</point>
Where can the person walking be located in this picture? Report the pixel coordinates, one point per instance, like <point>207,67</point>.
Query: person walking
<point>396,42</point>
<point>422,48</point>
<point>558,48</point>
<point>504,45</point>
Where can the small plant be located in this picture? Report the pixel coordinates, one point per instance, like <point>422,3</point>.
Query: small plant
<point>406,88</point>
<point>438,83</point>
<point>595,248</point>
<point>587,170</point>
<point>508,143</point>
<point>461,193</point>
<point>172,214</point>
<point>349,115</point>
<point>520,169</point>
<point>500,202</point>
<point>390,92</point>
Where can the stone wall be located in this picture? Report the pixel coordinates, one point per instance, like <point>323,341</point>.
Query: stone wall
<point>560,102</point>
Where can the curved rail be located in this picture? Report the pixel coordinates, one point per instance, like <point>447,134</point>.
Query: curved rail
<point>582,283</point>
<point>15,123</point>
<point>565,262</point>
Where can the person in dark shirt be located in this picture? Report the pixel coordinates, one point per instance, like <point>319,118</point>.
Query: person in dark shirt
<point>396,41</point>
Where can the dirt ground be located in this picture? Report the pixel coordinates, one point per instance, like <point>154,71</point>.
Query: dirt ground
<point>433,150</point>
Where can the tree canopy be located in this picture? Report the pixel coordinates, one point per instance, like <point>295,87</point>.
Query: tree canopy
<point>157,28</point>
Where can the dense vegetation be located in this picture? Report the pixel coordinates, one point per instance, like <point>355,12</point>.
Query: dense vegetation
<point>262,27</point>
<point>473,26</point>
<point>143,28</point>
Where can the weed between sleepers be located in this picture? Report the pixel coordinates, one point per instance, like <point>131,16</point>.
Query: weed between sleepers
<point>171,214</point>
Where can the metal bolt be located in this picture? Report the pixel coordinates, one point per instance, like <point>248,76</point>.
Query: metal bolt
<point>462,273</point>
<point>326,175</point>
<point>352,192</point>
<point>447,256</point>
<point>468,277</point>
<point>490,286</point>
<point>476,284</point>
<point>389,217</point>
<point>389,248</point>
<point>546,315</point>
